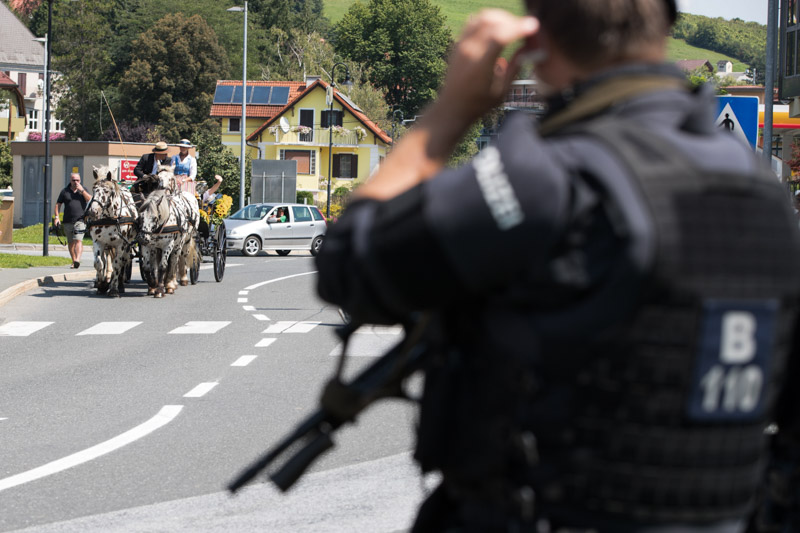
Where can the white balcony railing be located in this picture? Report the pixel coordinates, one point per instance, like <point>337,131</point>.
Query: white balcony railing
<point>317,136</point>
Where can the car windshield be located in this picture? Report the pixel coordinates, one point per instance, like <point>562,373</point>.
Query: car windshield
<point>251,212</point>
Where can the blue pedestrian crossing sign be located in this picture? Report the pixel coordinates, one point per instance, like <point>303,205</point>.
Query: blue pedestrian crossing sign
<point>739,116</point>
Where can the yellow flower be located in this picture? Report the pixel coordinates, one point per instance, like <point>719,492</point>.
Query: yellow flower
<point>204,216</point>
<point>222,209</point>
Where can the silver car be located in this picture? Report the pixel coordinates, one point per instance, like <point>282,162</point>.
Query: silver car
<point>275,226</point>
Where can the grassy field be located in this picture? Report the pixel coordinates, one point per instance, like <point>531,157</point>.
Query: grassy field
<point>678,49</point>
<point>456,11</point>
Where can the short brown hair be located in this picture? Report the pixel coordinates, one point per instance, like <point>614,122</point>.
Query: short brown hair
<point>593,33</point>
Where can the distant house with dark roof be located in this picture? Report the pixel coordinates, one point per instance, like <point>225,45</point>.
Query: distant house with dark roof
<point>691,65</point>
<point>293,121</point>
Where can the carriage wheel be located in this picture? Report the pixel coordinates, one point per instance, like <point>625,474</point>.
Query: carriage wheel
<point>220,252</point>
<point>194,270</point>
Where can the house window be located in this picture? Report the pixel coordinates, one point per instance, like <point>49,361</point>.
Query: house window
<point>345,166</point>
<point>58,124</point>
<point>337,115</point>
<point>234,124</point>
<point>306,162</point>
<point>33,119</point>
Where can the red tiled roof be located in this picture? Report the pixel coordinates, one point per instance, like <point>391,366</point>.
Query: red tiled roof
<point>255,110</point>
<point>364,119</point>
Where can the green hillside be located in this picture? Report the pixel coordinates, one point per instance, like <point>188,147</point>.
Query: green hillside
<point>456,11</point>
<point>677,49</point>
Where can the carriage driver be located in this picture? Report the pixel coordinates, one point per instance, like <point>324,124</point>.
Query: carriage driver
<point>148,164</point>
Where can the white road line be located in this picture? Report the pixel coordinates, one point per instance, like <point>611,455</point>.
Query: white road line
<point>162,418</point>
<point>21,329</point>
<point>243,293</point>
<point>195,328</point>
<point>251,287</point>
<point>109,328</point>
<point>241,300</point>
<point>3,418</point>
<point>289,326</point>
<point>261,317</point>
<point>249,307</point>
<point>242,361</point>
<point>263,343</point>
<point>201,390</point>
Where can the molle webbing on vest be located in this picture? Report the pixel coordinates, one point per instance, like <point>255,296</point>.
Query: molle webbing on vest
<point>635,450</point>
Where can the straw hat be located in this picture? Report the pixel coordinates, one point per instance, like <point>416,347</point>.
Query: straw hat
<point>185,143</point>
<point>160,146</point>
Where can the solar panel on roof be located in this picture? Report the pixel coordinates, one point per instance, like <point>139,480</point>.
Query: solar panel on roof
<point>223,94</point>
<point>260,95</point>
<point>237,95</point>
<point>280,96</point>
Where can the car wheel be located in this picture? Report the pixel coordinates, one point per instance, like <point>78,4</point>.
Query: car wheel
<point>283,252</point>
<point>316,244</point>
<point>251,247</point>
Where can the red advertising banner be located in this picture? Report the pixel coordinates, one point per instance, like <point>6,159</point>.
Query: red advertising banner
<point>126,167</point>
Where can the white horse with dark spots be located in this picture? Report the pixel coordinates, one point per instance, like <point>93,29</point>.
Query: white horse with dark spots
<point>111,221</point>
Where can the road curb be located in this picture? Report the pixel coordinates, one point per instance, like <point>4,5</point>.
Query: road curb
<point>24,286</point>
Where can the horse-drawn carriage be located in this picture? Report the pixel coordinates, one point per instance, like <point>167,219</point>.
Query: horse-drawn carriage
<point>158,225</point>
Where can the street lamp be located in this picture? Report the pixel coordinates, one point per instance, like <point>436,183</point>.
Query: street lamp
<point>244,103</point>
<point>347,83</point>
<point>47,170</point>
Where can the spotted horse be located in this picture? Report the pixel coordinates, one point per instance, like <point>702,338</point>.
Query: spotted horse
<point>111,222</point>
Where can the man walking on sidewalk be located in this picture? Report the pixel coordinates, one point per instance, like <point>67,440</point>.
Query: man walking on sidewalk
<point>73,198</point>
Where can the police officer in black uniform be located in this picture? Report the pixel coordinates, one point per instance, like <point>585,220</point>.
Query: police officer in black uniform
<point>617,285</point>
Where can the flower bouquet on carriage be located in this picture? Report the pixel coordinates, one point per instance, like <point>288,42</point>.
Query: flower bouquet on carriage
<point>213,213</point>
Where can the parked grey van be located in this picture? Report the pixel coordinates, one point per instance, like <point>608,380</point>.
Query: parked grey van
<point>275,226</point>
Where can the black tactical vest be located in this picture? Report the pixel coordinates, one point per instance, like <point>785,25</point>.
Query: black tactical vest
<point>660,418</point>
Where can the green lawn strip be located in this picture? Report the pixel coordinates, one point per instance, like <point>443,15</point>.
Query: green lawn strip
<point>34,235</point>
<point>27,261</point>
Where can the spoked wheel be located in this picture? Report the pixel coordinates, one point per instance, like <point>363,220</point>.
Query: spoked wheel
<point>194,269</point>
<point>220,252</point>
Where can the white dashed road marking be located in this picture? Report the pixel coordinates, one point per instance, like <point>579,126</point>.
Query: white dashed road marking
<point>195,328</point>
<point>21,329</point>
<point>261,317</point>
<point>244,360</point>
<point>109,328</point>
<point>241,300</point>
<point>263,343</point>
<point>201,390</point>
<point>249,307</point>
<point>162,418</point>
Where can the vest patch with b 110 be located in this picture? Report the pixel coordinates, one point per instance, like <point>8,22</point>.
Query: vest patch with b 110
<point>733,359</point>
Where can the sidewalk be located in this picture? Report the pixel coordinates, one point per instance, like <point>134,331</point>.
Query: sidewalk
<point>16,281</point>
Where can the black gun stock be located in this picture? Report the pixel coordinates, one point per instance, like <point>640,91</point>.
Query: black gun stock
<point>340,403</point>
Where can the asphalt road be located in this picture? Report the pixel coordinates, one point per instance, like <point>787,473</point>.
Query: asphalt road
<point>133,414</point>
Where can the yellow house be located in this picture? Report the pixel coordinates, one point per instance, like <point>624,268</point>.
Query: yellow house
<point>327,134</point>
<point>264,100</point>
<point>12,119</point>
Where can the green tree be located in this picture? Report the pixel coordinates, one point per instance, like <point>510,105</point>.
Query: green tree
<point>404,42</point>
<point>214,158</point>
<point>6,165</point>
<point>173,75</point>
<point>467,148</point>
<point>81,63</point>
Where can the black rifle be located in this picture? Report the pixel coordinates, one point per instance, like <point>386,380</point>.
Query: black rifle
<point>340,403</point>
